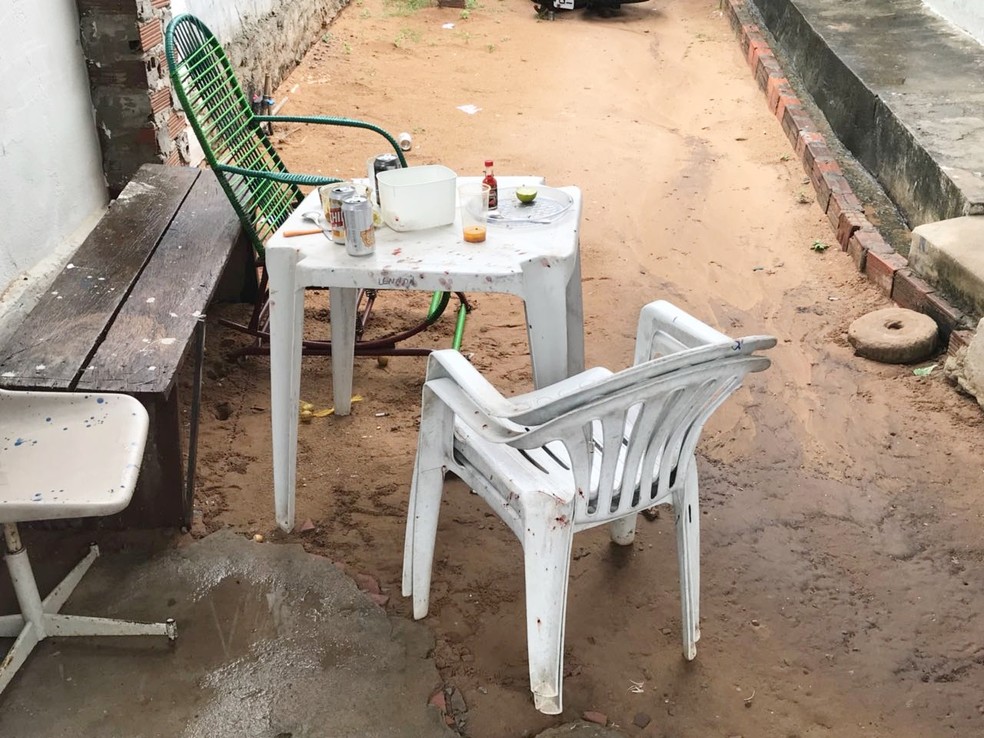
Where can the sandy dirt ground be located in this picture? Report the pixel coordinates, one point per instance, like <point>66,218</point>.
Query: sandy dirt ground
<point>842,536</point>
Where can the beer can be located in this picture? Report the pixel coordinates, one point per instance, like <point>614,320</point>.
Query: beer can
<point>336,196</point>
<point>383,163</point>
<point>360,238</point>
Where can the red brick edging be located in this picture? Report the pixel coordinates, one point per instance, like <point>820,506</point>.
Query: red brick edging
<point>872,255</point>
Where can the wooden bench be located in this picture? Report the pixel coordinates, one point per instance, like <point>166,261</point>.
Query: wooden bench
<point>124,313</point>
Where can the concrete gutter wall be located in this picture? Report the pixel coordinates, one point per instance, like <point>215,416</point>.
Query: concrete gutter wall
<point>901,88</point>
<point>51,179</point>
<point>967,14</point>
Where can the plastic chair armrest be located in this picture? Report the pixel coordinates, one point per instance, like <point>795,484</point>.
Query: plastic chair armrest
<point>546,403</point>
<point>450,364</point>
<point>465,409</point>
<point>665,329</point>
<point>521,408</point>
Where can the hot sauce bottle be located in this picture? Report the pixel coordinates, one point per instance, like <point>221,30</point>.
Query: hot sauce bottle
<point>493,185</point>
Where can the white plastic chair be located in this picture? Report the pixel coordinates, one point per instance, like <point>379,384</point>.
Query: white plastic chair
<point>63,455</point>
<point>593,449</point>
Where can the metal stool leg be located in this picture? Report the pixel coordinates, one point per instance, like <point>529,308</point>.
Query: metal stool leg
<point>40,619</point>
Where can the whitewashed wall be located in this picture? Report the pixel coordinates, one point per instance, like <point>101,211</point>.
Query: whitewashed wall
<point>967,14</point>
<point>260,37</point>
<point>225,18</point>
<point>52,189</point>
<point>51,180</point>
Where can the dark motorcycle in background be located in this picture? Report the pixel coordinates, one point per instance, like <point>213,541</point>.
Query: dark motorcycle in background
<point>545,9</point>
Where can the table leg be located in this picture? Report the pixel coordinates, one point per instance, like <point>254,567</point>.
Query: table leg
<point>286,334</point>
<point>343,308</point>
<point>545,296</point>
<point>575,319</point>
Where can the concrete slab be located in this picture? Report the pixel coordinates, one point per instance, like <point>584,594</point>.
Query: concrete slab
<point>901,87</point>
<point>951,253</point>
<point>273,643</point>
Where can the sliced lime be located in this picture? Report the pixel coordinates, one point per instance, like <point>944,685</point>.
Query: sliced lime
<point>525,194</point>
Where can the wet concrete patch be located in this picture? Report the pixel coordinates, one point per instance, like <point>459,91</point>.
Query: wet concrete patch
<point>272,642</point>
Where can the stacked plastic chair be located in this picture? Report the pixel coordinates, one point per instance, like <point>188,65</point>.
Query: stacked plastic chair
<point>594,449</point>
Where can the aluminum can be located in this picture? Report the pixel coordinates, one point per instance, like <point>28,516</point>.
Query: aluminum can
<point>382,163</point>
<point>336,196</point>
<point>360,238</point>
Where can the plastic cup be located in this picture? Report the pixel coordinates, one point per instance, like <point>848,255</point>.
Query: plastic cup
<point>473,202</point>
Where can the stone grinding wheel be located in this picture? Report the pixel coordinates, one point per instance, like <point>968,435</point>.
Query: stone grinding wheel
<point>893,336</point>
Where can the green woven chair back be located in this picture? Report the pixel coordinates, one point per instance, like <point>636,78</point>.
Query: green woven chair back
<point>231,136</point>
<point>261,189</point>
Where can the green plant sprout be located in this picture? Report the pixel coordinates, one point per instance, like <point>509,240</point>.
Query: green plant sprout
<point>405,7</point>
<point>406,37</point>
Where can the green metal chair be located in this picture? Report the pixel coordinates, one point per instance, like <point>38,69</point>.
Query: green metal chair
<point>258,184</point>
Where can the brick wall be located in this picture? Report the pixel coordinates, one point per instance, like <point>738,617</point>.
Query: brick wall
<point>123,43</point>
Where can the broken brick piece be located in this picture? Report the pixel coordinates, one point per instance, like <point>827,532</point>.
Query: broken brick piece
<point>593,716</point>
<point>438,701</point>
<point>367,583</point>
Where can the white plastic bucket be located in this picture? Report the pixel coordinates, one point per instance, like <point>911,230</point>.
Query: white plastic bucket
<point>415,198</point>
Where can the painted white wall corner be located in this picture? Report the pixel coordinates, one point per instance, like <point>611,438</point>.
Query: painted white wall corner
<point>24,290</point>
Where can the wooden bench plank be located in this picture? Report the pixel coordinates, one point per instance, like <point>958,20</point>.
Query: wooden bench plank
<point>146,343</point>
<point>60,334</point>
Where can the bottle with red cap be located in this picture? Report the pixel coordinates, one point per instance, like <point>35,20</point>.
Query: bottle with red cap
<point>493,185</point>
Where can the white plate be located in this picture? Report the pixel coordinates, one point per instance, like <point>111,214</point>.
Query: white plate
<point>549,205</point>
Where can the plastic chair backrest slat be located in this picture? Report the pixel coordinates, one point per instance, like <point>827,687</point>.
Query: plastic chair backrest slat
<point>631,446</point>
<point>656,366</point>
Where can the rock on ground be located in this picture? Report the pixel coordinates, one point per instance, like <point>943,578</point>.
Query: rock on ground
<point>581,729</point>
<point>966,367</point>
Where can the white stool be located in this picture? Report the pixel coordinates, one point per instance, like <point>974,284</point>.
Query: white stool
<point>64,455</point>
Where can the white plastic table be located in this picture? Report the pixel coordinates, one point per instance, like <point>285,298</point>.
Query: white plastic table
<point>538,263</point>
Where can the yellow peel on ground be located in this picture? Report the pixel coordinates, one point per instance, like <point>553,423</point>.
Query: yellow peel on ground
<point>307,411</point>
